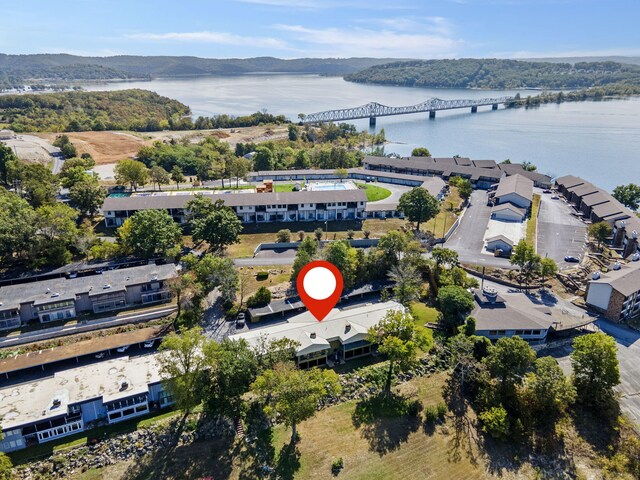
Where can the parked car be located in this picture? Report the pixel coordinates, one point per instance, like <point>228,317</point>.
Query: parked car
<point>240,320</point>
<point>100,355</point>
<point>571,259</point>
<point>149,344</point>
<point>122,349</point>
<point>554,197</point>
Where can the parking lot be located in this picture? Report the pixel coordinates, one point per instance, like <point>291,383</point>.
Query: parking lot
<point>559,232</point>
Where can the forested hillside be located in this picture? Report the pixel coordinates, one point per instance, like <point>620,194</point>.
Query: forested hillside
<point>498,74</point>
<point>19,70</point>
<point>138,110</point>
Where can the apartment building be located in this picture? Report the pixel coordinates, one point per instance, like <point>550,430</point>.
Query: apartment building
<point>616,293</point>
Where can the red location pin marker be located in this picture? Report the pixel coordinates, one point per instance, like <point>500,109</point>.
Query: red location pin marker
<point>320,286</point>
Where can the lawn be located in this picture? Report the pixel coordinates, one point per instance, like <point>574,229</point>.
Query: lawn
<point>283,187</point>
<point>253,235</point>
<point>278,274</point>
<point>424,314</point>
<point>532,223</point>
<point>447,215</point>
<point>374,192</point>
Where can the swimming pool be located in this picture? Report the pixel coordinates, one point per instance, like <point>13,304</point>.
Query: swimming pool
<point>331,186</point>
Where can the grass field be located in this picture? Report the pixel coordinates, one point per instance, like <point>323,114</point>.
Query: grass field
<point>424,314</point>
<point>532,223</point>
<point>253,235</point>
<point>278,274</point>
<point>374,192</point>
<point>447,215</point>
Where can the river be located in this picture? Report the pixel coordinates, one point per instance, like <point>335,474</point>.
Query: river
<point>599,141</point>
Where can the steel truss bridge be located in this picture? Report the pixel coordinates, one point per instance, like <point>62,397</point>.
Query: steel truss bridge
<point>373,110</point>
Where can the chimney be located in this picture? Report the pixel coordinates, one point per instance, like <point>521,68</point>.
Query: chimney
<point>312,335</point>
<point>347,328</point>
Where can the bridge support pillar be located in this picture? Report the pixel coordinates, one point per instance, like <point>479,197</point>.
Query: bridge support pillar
<point>474,109</point>
<point>432,114</point>
<point>494,106</point>
<point>372,121</point>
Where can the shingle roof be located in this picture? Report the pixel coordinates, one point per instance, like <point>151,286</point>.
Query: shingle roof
<point>569,181</point>
<point>517,184</point>
<point>11,296</point>
<point>500,237</point>
<point>508,206</point>
<point>626,280</point>
<point>511,313</point>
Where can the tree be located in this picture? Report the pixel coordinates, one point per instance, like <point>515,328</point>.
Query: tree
<point>628,195</point>
<point>318,233</point>
<point>283,236</point>
<point>455,303</point>
<point>508,361</point>
<point>595,368</point>
<point>292,394</point>
<point>306,253</point>
<point>469,328</point>
<point>133,172</point>
<point>177,176</point>
<point>341,173</point>
<point>395,336</point>
<point>343,256</point>
<point>548,268</point>
<point>213,223</point>
<point>529,167</point>
<point>159,176</point>
<point>87,196</point>
<point>70,176</point>
<point>525,257</point>
<point>418,205</point>
<point>546,392</point>
<point>35,181</point>
<point>183,359</point>
<point>420,152</point>
<point>6,156</point>
<point>259,299</point>
<point>56,232</point>
<point>17,225</point>
<point>263,159</point>
<point>407,282</point>
<point>149,233</point>
<point>239,168</point>
<point>465,189</point>
<point>495,422</point>
<point>444,257</point>
<point>218,272</point>
<point>233,367</point>
<point>6,467</point>
<point>184,288</point>
<point>600,231</point>
<point>392,245</point>
<point>293,133</point>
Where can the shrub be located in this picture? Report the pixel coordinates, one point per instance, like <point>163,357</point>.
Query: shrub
<point>442,410</point>
<point>260,276</point>
<point>337,465</point>
<point>431,414</point>
<point>350,234</point>
<point>495,422</point>
<point>318,232</point>
<point>366,233</point>
<point>301,235</point>
<point>259,299</point>
<point>283,236</point>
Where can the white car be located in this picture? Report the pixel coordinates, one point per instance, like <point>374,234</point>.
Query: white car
<point>100,355</point>
<point>149,344</point>
<point>122,349</point>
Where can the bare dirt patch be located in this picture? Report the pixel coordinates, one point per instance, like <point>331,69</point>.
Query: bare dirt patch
<point>104,147</point>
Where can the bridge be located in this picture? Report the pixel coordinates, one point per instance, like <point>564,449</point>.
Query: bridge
<point>374,110</point>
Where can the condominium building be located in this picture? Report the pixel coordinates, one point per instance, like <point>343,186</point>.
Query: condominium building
<point>616,293</point>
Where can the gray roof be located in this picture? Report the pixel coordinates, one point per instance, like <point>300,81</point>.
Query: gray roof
<point>584,189</point>
<point>500,237</point>
<point>517,184</point>
<point>508,206</point>
<point>174,200</point>
<point>626,280</point>
<point>485,163</point>
<point>511,312</point>
<point>595,198</point>
<point>568,181</point>
<point>38,293</point>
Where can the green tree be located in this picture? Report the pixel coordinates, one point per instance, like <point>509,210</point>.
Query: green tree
<point>6,156</point>
<point>508,361</point>
<point>343,256</point>
<point>469,328</point>
<point>183,360</point>
<point>293,132</point>
<point>342,173</point>
<point>595,368</point>
<point>392,245</point>
<point>495,422</point>
<point>600,231</point>
<point>283,236</point>
<point>455,303</point>
<point>6,467</point>
<point>149,233</point>
<point>213,223</point>
<point>306,253</point>
<point>17,225</point>
<point>133,172</point>
<point>261,298</point>
<point>57,231</point>
<point>184,287</point>
<point>548,268</point>
<point>292,394</point>
<point>159,176</point>
<point>263,159</point>
<point>87,196</point>
<point>35,181</point>
<point>407,282</point>
<point>628,195</point>
<point>420,152</point>
<point>546,393</point>
<point>524,256</point>
<point>418,205</point>
<point>70,176</point>
<point>239,168</point>
<point>465,189</point>
<point>396,338</point>
<point>177,176</point>
<point>233,367</point>
<point>218,272</point>
<point>302,161</point>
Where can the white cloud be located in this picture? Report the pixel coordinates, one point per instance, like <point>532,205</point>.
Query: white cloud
<point>221,38</point>
<point>432,25</point>
<point>390,42</point>
<point>611,52</point>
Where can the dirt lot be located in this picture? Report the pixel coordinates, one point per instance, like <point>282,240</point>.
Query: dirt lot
<point>230,135</point>
<point>104,147</point>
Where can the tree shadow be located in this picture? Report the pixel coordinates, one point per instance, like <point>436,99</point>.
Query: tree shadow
<point>387,421</point>
<point>598,427</point>
<point>288,462</point>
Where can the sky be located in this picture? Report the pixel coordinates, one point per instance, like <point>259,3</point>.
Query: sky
<point>322,28</point>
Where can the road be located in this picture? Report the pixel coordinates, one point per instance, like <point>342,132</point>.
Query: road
<point>107,322</point>
<point>559,233</point>
<point>468,239</point>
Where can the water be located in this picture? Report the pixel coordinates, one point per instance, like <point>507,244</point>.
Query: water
<point>599,141</point>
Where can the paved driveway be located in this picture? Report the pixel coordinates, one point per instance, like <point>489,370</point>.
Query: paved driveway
<point>559,232</point>
<point>468,238</point>
<point>628,342</point>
